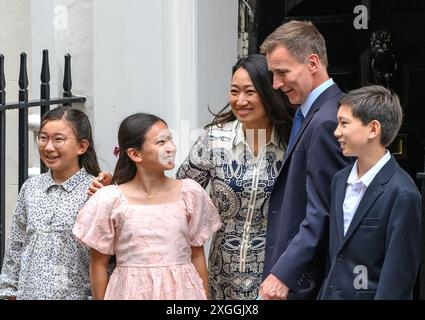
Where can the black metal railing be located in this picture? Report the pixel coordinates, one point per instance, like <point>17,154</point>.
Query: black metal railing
<point>23,105</point>
<point>421,176</point>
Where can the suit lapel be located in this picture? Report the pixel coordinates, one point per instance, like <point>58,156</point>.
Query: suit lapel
<point>372,193</point>
<point>329,93</point>
<point>339,201</point>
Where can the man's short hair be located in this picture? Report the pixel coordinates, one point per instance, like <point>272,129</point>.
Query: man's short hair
<point>376,103</point>
<point>300,38</point>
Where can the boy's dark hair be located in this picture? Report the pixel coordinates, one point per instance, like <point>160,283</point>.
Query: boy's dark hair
<point>275,102</point>
<point>80,124</point>
<point>131,134</point>
<point>376,103</point>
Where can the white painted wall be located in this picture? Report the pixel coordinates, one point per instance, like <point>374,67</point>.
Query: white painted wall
<point>127,67</point>
<point>170,57</point>
<point>217,31</point>
<point>63,26</point>
<point>15,37</point>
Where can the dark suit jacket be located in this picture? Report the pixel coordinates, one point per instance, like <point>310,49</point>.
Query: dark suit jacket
<point>300,201</point>
<point>382,242</point>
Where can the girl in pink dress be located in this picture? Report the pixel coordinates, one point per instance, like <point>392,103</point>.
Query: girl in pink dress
<point>155,226</point>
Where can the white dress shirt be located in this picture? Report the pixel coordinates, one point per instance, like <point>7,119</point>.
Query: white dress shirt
<point>357,187</point>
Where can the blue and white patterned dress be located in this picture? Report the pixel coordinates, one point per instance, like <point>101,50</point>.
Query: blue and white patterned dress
<point>241,185</point>
<point>43,260</point>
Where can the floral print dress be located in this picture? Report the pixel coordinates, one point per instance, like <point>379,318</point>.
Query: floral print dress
<point>43,260</point>
<point>241,185</point>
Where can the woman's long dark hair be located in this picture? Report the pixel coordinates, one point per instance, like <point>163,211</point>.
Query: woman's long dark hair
<point>81,127</point>
<point>275,102</point>
<point>131,134</point>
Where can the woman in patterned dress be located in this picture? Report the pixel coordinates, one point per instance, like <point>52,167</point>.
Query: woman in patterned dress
<point>239,156</point>
<point>43,260</point>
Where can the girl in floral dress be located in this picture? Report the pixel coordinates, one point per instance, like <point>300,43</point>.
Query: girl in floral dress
<point>155,226</point>
<point>43,260</point>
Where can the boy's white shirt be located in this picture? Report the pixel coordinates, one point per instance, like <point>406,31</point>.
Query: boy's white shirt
<point>357,187</point>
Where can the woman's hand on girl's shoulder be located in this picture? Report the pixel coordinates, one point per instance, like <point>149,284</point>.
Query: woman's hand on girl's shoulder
<point>103,179</point>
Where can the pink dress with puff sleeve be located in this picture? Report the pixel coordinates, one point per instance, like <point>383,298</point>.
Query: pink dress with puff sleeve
<point>152,243</point>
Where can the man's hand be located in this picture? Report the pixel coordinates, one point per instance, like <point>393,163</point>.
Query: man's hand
<point>103,179</point>
<point>273,289</point>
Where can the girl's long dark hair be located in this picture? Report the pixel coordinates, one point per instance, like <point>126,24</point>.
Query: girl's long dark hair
<point>275,102</point>
<point>81,127</point>
<point>131,134</point>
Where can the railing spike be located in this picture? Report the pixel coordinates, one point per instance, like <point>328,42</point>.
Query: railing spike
<point>44,92</point>
<point>23,122</point>
<point>45,70</point>
<point>2,78</point>
<point>23,75</point>
<point>67,81</point>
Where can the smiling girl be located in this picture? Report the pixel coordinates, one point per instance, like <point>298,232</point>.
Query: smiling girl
<point>43,260</point>
<point>155,226</point>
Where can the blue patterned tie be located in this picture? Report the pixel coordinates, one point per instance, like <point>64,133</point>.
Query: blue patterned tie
<point>296,125</point>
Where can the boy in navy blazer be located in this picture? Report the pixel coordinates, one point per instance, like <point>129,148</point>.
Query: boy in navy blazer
<point>375,237</point>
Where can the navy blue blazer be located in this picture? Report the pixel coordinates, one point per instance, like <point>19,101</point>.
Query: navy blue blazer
<point>379,256</point>
<point>299,206</point>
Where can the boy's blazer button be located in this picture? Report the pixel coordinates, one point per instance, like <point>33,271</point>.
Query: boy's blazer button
<point>340,257</point>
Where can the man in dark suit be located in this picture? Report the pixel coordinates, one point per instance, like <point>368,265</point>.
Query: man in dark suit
<point>375,218</point>
<point>300,201</point>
